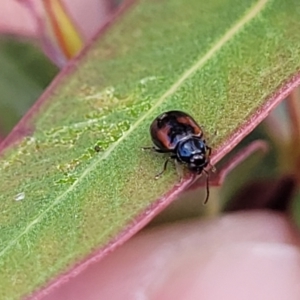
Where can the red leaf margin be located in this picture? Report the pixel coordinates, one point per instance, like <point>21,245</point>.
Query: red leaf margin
<point>160,204</point>
<point>25,128</point>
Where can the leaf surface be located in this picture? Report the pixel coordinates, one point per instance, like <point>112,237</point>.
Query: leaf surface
<point>60,201</point>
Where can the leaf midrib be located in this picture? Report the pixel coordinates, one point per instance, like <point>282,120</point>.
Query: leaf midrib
<point>250,14</point>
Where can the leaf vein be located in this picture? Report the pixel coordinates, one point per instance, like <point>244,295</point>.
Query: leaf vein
<point>249,15</point>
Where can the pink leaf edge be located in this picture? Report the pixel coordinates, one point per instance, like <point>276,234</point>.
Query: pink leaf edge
<point>24,127</point>
<point>157,206</point>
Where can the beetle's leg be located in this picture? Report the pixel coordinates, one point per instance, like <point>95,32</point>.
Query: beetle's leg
<point>165,166</point>
<point>156,149</point>
<point>149,148</point>
<point>209,150</point>
<point>207,185</point>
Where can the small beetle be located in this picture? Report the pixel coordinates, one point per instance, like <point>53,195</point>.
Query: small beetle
<point>177,133</point>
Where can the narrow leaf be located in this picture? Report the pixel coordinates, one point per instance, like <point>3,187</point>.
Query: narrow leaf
<point>224,62</point>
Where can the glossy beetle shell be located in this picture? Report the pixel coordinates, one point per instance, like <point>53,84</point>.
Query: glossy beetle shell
<point>171,127</point>
<point>178,133</point>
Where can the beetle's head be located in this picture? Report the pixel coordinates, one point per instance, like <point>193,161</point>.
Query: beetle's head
<point>193,152</point>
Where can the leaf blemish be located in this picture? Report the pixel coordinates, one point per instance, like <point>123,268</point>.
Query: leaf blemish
<point>20,196</point>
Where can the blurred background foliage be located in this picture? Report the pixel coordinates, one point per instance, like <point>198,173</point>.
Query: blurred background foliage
<point>25,73</point>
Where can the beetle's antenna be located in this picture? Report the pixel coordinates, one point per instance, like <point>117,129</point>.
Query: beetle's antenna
<point>207,186</point>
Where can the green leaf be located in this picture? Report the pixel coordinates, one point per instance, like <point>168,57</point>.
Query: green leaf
<point>59,199</point>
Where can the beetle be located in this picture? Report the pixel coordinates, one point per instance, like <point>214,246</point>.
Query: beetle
<point>177,133</point>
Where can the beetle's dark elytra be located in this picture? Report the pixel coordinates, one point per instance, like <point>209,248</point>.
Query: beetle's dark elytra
<point>177,133</point>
